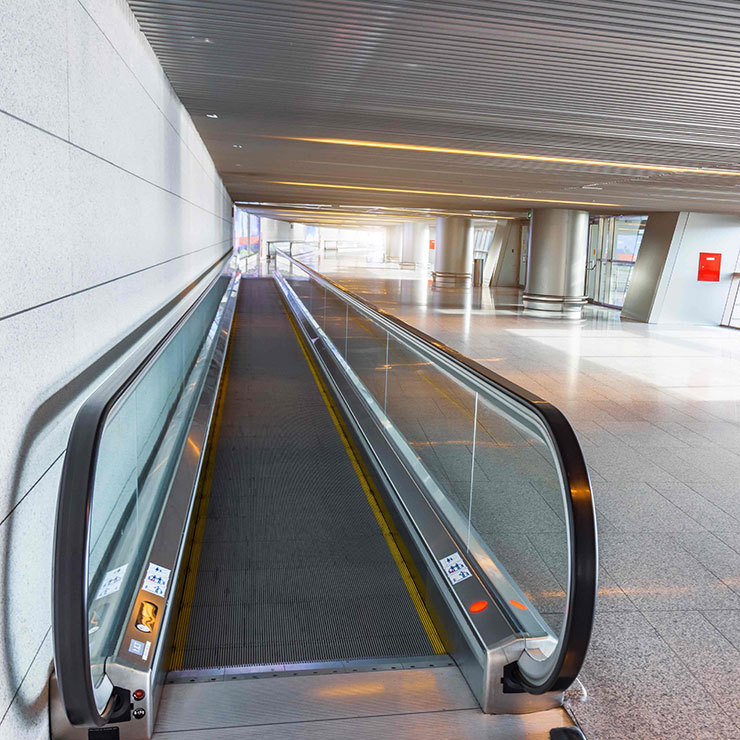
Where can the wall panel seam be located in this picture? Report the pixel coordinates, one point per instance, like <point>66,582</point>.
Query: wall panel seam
<point>112,280</point>
<point>112,164</point>
<point>31,487</point>
<point>148,94</point>
<point>25,675</point>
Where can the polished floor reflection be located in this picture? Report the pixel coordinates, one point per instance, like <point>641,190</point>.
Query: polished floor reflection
<point>657,411</point>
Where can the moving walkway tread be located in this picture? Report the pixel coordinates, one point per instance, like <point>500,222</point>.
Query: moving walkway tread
<point>293,566</point>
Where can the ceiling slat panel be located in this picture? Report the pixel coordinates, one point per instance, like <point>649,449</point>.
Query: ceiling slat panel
<point>635,82</point>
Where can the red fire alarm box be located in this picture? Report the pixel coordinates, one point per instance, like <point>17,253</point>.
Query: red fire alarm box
<point>709,264</point>
<point>432,243</point>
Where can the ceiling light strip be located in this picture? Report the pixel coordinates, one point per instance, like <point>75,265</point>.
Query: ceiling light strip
<point>676,169</point>
<point>439,192</point>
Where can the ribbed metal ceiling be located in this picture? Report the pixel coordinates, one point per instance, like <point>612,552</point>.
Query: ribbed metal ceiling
<point>632,82</point>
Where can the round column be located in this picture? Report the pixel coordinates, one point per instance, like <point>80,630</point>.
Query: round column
<point>556,263</point>
<point>453,251</point>
<point>393,244</point>
<point>415,245</point>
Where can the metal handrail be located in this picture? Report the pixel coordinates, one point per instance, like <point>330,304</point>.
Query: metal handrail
<point>74,509</point>
<point>581,605</point>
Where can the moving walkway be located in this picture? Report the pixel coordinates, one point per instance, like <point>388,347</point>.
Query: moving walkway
<point>294,510</point>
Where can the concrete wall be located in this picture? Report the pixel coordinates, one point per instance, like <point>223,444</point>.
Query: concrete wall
<point>394,243</point>
<point>646,277</point>
<point>506,274</point>
<point>686,299</point>
<point>664,286</point>
<point>500,230</point>
<point>111,208</point>
<point>272,230</point>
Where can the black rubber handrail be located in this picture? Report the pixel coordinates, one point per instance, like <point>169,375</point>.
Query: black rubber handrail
<point>581,604</point>
<point>74,508</point>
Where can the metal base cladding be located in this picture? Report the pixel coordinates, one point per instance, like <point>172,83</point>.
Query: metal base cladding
<point>452,279</point>
<point>558,307</point>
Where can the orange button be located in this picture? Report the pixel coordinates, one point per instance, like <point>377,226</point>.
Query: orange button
<point>478,606</point>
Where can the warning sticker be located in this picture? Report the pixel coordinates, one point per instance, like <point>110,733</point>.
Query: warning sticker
<point>156,579</point>
<point>111,582</point>
<point>455,568</point>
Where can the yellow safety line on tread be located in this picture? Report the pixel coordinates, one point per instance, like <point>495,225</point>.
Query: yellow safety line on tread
<point>204,493</point>
<point>421,610</point>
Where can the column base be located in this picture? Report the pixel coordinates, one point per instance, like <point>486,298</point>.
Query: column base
<point>453,279</point>
<point>553,306</point>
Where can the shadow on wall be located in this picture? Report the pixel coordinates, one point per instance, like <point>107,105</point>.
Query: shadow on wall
<point>59,404</point>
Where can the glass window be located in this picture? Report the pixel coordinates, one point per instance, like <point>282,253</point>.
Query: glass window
<point>614,242</point>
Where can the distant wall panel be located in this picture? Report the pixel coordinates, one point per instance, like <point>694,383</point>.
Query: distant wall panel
<point>664,287</point>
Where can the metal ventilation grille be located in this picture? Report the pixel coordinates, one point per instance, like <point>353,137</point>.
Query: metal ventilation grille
<point>626,81</point>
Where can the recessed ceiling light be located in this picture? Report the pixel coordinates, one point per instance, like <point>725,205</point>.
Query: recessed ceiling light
<point>211,115</point>
<point>237,146</point>
<point>591,187</point>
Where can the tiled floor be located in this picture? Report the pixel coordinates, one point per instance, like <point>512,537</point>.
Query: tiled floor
<point>657,410</point>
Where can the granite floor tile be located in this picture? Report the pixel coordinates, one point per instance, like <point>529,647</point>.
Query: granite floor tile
<point>640,689</point>
<point>659,574</point>
<point>640,433</point>
<point>727,622</point>
<point>710,516</point>
<point>664,458</point>
<point>712,659</point>
<point>637,507</point>
<point>713,554</point>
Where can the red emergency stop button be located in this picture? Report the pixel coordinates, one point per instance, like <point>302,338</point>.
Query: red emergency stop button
<point>478,606</point>
<point>138,694</point>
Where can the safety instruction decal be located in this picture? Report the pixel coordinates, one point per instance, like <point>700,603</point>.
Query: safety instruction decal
<point>156,579</point>
<point>111,582</point>
<point>455,568</point>
<point>137,647</point>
